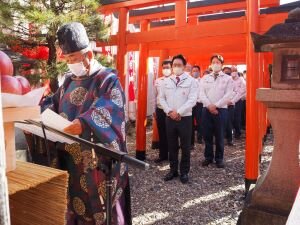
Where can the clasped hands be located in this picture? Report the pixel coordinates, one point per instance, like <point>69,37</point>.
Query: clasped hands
<point>213,109</point>
<point>174,115</point>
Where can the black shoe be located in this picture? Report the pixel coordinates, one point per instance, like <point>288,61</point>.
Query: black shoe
<point>184,178</point>
<point>170,176</point>
<point>206,162</point>
<point>229,143</point>
<point>159,160</point>
<point>220,164</point>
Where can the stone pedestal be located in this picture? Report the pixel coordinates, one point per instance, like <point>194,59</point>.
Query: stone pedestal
<point>272,199</point>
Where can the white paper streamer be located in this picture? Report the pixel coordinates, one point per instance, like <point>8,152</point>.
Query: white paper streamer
<point>32,98</point>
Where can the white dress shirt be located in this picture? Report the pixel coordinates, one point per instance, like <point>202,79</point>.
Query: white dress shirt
<point>157,86</point>
<point>239,89</point>
<point>216,91</point>
<point>181,97</point>
<point>245,94</point>
<point>199,89</point>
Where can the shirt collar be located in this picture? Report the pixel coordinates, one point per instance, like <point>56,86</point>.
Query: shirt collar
<point>220,74</point>
<point>95,66</point>
<point>182,76</point>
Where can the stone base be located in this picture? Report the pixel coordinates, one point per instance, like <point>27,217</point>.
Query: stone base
<point>253,216</point>
<point>256,215</point>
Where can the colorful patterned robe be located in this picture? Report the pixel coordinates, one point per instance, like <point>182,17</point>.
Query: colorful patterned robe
<point>98,102</point>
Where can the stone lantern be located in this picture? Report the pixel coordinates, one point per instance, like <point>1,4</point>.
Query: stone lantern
<point>271,201</point>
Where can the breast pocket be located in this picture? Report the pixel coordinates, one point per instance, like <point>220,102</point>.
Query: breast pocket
<point>208,84</point>
<point>169,90</point>
<point>184,89</point>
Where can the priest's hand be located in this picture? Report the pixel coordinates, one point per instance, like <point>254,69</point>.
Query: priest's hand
<point>75,128</point>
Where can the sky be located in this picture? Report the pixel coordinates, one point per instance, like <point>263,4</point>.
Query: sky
<point>286,1</point>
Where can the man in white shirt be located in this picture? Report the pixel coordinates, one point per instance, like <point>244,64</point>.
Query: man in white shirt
<point>160,115</point>
<point>243,119</point>
<point>177,98</point>
<point>188,68</point>
<point>227,70</point>
<point>197,109</point>
<point>216,91</point>
<point>239,87</point>
<point>235,108</point>
<point>229,123</point>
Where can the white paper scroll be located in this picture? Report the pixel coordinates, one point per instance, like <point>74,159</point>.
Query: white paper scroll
<point>54,120</point>
<point>50,119</point>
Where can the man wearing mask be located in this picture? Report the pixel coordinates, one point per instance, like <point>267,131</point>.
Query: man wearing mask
<point>234,107</point>
<point>243,119</point>
<point>177,98</point>
<point>216,91</point>
<point>227,70</point>
<point>188,69</point>
<point>239,88</point>
<point>92,98</point>
<point>197,109</point>
<point>160,114</point>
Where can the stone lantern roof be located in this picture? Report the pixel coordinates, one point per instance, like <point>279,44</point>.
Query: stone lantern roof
<point>286,34</point>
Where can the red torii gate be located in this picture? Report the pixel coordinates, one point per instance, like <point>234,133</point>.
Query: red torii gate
<point>198,38</point>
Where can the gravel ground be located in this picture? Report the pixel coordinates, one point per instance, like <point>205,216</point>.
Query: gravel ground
<point>212,196</point>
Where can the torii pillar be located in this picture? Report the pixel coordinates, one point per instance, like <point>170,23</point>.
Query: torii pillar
<point>141,120</point>
<point>252,131</point>
<point>163,55</point>
<point>123,21</point>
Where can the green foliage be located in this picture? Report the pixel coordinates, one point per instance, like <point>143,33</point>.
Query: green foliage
<point>44,17</point>
<point>105,61</point>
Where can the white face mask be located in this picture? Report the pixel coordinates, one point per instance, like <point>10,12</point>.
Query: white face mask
<point>234,75</point>
<point>166,72</point>
<point>216,67</point>
<point>196,74</point>
<point>178,71</point>
<point>78,69</point>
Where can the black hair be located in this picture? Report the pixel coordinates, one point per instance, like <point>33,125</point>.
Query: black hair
<point>226,67</point>
<point>166,62</point>
<point>196,66</point>
<point>218,57</point>
<point>179,57</point>
<point>206,72</point>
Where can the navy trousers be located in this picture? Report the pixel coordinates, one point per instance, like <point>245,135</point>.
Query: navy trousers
<point>162,133</point>
<point>238,118</point>
<point>243,119</point>
<point>179,131</point>
<point>214,125</point>
<point>197,115</point>
<point>229,124</point>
